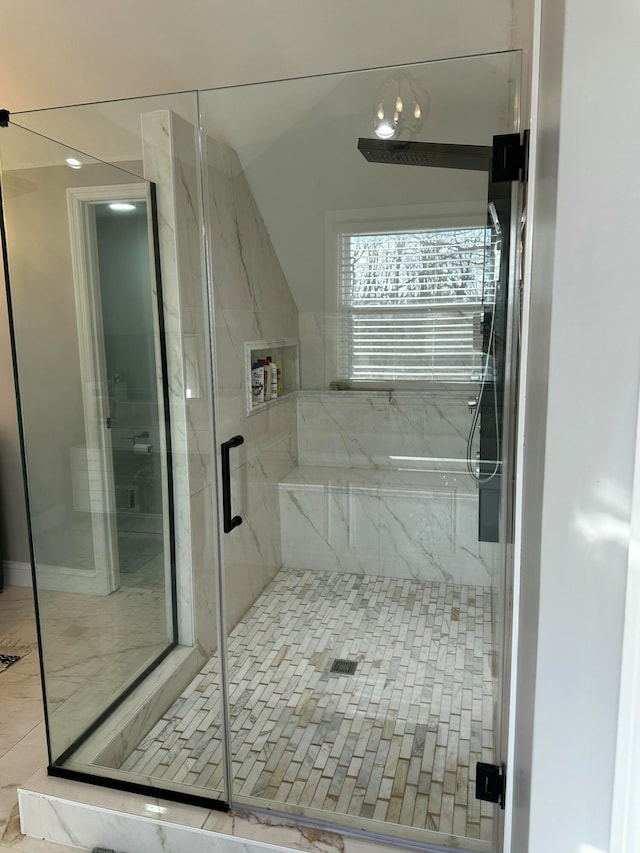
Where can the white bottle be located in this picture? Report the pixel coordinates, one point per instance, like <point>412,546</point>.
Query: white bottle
<point>274,379</point>
<point>257,381</point>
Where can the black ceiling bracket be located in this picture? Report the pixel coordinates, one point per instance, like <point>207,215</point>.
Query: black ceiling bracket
<point>4,118</point>
<point>510,157</point>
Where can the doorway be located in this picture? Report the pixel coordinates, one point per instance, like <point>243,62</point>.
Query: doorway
<point>118,335</point>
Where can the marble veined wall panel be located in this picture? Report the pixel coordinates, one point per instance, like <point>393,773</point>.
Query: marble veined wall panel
<point>252,301</point>
<point>170,158</point>
<point>375,522</point>
<point>383,429</point>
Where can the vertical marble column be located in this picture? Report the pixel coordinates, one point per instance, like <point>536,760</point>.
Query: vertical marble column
<point>170,161</point>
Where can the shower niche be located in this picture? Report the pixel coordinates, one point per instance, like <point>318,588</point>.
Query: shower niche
<point>270,388</point>
<point>373,300</point>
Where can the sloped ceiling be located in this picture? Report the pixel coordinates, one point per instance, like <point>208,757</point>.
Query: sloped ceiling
<point>297,143</point>
<point>75,51</point>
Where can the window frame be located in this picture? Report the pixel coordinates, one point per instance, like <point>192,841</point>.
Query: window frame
<point>401,220</point>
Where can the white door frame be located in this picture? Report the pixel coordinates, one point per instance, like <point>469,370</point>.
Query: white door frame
<point>93,370</point>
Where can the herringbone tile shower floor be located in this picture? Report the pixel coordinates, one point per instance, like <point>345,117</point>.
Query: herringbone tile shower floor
<point>397,741</point>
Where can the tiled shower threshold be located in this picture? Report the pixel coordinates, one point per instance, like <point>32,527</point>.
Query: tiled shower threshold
<point>86,817</point>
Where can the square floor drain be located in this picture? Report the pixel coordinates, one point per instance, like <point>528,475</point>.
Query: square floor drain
<point>343,666</point>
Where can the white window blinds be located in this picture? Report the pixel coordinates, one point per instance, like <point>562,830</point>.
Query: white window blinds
<point>412,301</point>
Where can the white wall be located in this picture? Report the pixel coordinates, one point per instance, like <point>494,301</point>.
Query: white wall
<point>543,177</point>
<point>37,229</point>
<point>13,519</point>
<point>123,256</point>
<point>585,241</point>
<point>125,49</point>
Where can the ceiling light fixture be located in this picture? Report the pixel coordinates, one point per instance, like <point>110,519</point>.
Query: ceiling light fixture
<point>122,206</point>
<point>73,163</point>
<point>399,107</point>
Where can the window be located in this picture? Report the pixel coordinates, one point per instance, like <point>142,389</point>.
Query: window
<point>412,303</point>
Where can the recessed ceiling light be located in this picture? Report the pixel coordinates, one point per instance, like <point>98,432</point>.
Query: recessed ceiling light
<point>73,163</point>
<point>122,205</point>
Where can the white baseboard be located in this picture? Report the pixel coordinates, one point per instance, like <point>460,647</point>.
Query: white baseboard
<point>16,574</point>
<point>58,578</point>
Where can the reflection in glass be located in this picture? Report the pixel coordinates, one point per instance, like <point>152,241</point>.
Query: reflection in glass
<point>86,336</point>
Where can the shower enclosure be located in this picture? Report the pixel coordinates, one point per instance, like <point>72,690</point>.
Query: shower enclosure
<point>265,342</point>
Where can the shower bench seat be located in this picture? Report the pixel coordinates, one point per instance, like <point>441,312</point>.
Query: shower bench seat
<point>413,524</point>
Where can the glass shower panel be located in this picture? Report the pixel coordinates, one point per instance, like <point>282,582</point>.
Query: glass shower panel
<point>157,138</point>
<point>359,297</point>
<point>83,285</point>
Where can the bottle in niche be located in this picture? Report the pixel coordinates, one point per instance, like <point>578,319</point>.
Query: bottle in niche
<point>257,383</point>
<point>274,380</point>
<point>266,386</point>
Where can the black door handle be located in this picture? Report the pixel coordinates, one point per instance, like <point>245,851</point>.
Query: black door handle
<point>228,522</point>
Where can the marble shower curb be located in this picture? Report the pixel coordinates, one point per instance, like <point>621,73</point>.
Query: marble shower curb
<point>88,826</point>
<point>135,824</point>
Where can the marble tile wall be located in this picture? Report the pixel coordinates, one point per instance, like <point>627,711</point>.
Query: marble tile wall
<point>413,525</point>
<point>252,301</point>
<point>382,429</point>
<point>318,349</point>
<point>383,488</point>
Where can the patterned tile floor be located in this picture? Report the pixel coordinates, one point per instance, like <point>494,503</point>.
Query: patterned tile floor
<point>397,741</point>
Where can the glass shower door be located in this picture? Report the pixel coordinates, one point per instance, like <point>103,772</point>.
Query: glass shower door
<point>361,328</point>
<point>83,289</point>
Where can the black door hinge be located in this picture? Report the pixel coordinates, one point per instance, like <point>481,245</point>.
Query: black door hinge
<point>4,118</point>
<point>108,423</point>
<point>490,783</point>
<point>510,157</point>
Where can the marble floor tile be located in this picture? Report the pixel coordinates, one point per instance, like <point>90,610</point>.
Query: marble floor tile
<point>22,748</point>
<point>397,741</point>
<point>16,765</point>
<point>17,619</point>
<point>93,647</point>
<point>22,738</point>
